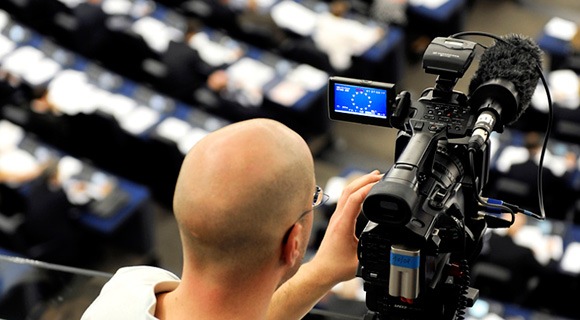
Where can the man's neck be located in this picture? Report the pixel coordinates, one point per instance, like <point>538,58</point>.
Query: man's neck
<point>209,297</point>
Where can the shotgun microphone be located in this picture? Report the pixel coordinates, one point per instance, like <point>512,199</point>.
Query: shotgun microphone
<point>503,85</point>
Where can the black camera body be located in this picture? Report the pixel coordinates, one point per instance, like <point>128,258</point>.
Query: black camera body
<point>423,229</point>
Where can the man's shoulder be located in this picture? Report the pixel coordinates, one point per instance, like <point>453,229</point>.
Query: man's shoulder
<point>131,291</point>
<point>145,272</point>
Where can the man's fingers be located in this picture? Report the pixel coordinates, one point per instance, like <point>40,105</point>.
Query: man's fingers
<point>353,204</point>
<point>350,202</point>
<point>357,184</point>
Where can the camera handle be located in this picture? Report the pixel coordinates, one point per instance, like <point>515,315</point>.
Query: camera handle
<point>402,110</point>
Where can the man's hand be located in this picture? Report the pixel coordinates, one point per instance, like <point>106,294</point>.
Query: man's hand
<point>336,257</point>
<point>335,261</point>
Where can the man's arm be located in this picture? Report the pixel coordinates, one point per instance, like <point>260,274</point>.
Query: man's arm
<point>335,261</point>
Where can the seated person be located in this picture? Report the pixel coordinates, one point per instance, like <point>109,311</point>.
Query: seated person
<point>501,249</point>
<point>50,221</point>
<point>80,26</point>
<point>558,193</point>
<point>191,60</point>
<point>389,11</point>
<point>216,13</point>
<point>342,38</point>
<point>235,85</point>
<point>256,25</point>
<point>220,81</point>
<point>17,167</point>
<point>46,228</point>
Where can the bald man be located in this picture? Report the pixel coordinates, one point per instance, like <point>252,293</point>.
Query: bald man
<point>243,202</point>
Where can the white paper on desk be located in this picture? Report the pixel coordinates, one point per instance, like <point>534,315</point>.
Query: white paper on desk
<point>571,259</point>
<point>294,16</point>
<point>71,3</point>
<point>308,77</point>
<point>99,97</point>
<point>118,105</point>
<point>156,33</point>
<point>286,93</point>
<point>11,135</point>
<point>554,163</point>
<point>117,7</point>
<point>190,139</point>
<point>6,46</point>
<point>250,73</point>
<point>511,155</point>
<point>68,166</point>
<point>139,120</point>
<point>214,53</point>
<point>94,97</point>
<point>173,128</point>
<point>68,91</point>
<point>431,4</point>
<point>342,38</point>
<point>41,72</point>
<point>21,59</point>
<point>561,28</point>
<point>564,86</point>
<point>539,99</point>
<point>531,237</point>
<point>17,161</point>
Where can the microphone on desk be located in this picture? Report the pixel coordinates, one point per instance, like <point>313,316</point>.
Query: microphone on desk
<point>503,85</point>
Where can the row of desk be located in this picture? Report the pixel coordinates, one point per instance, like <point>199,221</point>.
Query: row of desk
<point>109,211</point>
<point>107,203</point>
<point>99,114</point>
<point>430,18</point>
<point>135,46</point>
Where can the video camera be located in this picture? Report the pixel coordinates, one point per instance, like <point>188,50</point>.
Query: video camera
<point>425,220</point>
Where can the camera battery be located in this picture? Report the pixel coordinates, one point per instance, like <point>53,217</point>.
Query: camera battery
<point>404,272</point>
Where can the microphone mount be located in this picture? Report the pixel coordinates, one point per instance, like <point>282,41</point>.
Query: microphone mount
<point>499,97</point>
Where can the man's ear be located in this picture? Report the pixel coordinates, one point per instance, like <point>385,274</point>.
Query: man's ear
<point>291,247</point>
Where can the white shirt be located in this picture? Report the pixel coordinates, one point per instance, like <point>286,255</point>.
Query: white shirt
<point>130,294</point>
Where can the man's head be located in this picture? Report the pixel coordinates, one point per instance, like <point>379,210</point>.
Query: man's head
<point>533,142</point>
<point>218,80</point>
<point>240,193</point>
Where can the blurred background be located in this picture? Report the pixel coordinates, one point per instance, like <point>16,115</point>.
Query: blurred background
<point>101,99</point>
